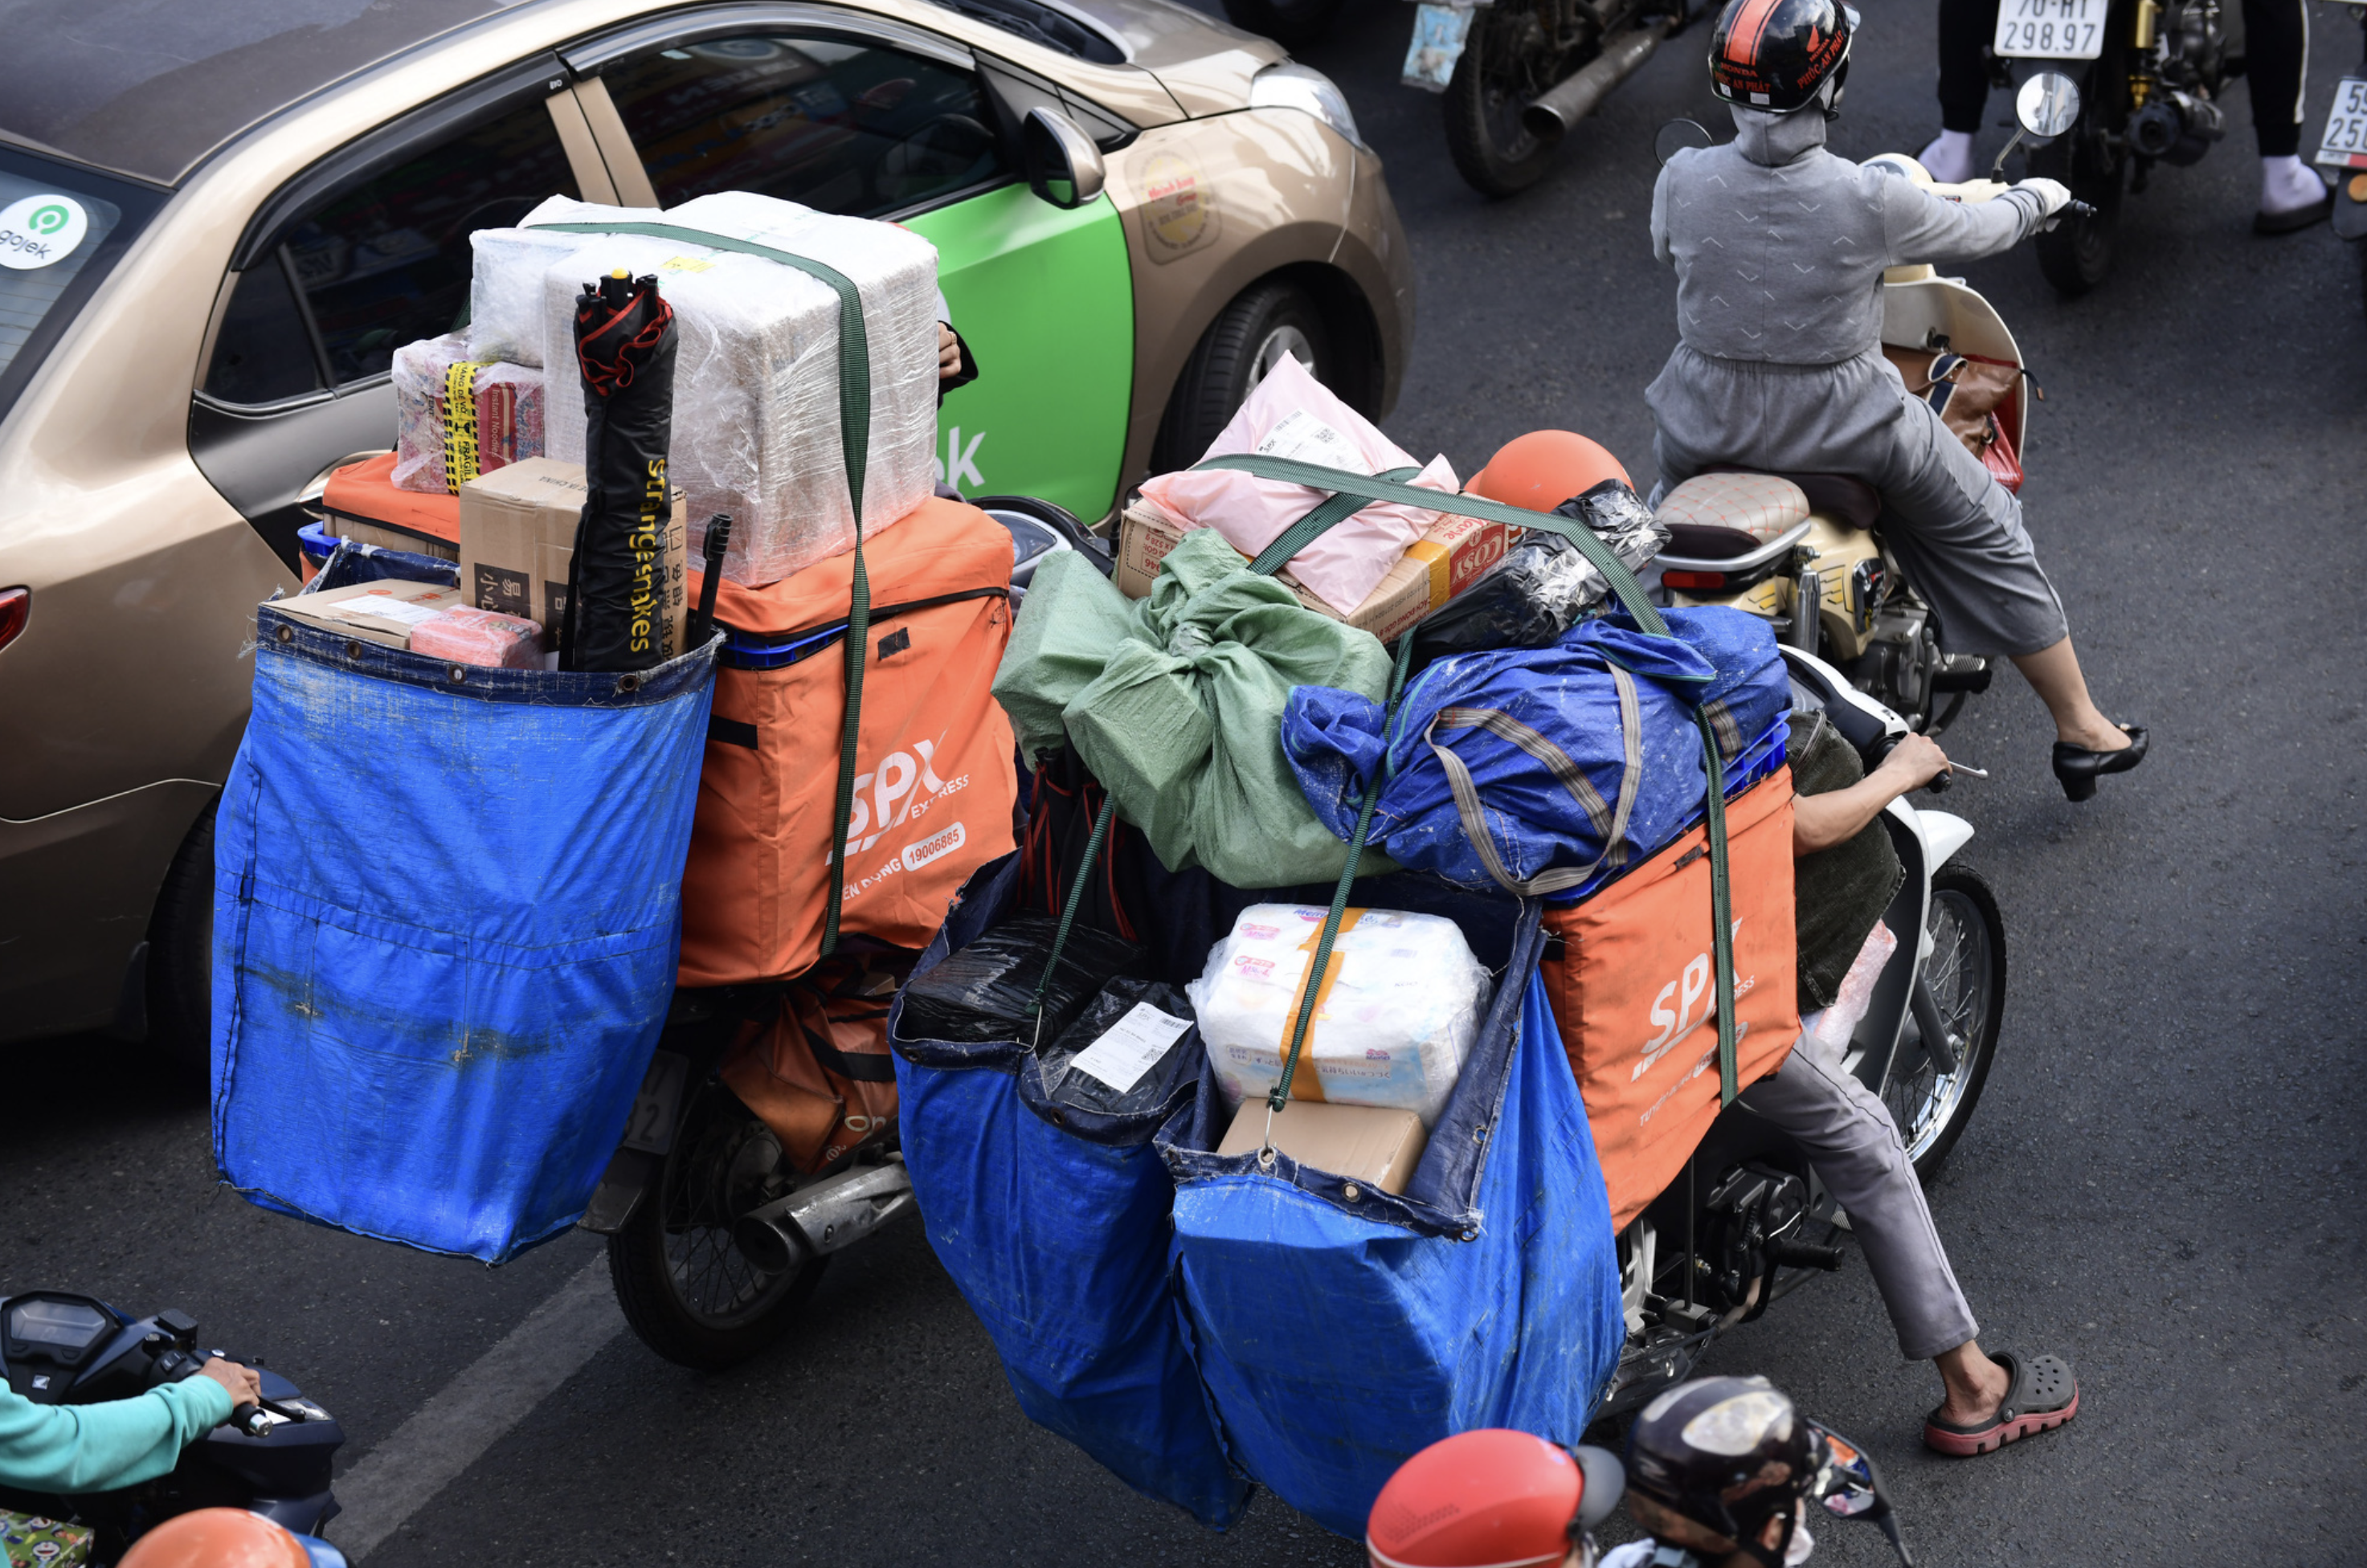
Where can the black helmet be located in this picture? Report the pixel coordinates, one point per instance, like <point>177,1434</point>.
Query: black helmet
<point>1777,55</point>
<point>1729,1457</point>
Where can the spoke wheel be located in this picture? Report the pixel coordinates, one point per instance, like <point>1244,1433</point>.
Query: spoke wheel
<point>1967,971</point>
<point>1507,63</point>
<point>686,1287</point>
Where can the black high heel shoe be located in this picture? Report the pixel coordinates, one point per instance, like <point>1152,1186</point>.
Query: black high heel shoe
<point>2080,768</point>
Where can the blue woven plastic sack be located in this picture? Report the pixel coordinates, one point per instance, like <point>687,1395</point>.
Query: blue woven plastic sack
<point>446,911</point>
<point>1548,771</point>
<point>1058,1238</point>
<point>1341,1330</point>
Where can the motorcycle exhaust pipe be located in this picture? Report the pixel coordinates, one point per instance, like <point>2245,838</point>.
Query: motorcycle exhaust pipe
<point>1551,117</point>
<point>835,1212</point>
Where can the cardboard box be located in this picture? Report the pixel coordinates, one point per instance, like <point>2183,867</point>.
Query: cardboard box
<point>1360,1142</point>
<point>517,538</point>
<point>1441,564</point>
<point>381,613</point>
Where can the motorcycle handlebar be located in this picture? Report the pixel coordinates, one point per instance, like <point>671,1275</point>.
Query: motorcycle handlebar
<point>250,1418</point>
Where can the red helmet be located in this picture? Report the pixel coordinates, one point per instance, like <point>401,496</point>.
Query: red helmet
<point>1492,1499</point>
<point>1543,469</point>
<point>217,1537</point>
<point>1777,55</point>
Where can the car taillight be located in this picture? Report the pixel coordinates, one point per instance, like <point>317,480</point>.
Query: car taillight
<point>1693,578</point>
<point>15,603</point>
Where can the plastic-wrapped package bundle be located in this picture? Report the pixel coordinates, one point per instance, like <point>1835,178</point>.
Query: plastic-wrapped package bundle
<point>756,429</point>
<point>442,442</point>
<point>1133,1049</point>
<point>464,635</point>
<point>985,991</point>
<point>1393,1022</point>
<point>507,271</point>
<point>1542,585</point>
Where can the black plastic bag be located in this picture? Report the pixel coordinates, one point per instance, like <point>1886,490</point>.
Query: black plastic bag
<point>620,586</point>
<point>985,991</point>
<point>1161,1088</point>
<point>1543,586</point>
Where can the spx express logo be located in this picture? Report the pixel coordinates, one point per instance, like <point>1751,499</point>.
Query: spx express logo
<point>903,787</point>
<point>1677,1025</point>
<point>40,230</point>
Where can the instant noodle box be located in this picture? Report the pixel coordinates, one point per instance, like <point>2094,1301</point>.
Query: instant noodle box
<point>518,540</point>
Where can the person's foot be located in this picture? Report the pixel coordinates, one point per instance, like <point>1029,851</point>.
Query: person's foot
<point>2096,734</point>
<point>1974,1392</point>
<point>1949,157</point>
<point>2292,197</point>
<point>2040,1394</point>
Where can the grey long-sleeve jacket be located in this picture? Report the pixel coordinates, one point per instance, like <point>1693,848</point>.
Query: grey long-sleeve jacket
<point>1779,245</point>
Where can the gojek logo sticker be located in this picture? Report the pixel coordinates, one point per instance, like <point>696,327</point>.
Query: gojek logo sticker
<point>40,230</point>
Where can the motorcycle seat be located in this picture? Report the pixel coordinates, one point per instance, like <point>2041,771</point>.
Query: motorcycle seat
<point>1726,513</point>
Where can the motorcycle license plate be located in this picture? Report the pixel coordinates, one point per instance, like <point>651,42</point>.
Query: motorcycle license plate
<point>2050,29</point>
<point>2345,142</point>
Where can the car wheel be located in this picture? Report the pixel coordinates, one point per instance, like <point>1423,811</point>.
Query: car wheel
<point>1245,342</point>
<point>180,956</point>
<point>1293,24</point>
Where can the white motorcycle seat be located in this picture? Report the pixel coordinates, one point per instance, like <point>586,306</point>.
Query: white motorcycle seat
<point>1722,514</point>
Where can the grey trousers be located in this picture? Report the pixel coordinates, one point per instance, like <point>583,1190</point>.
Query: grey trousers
<point>1850,1138</point>
<point>1957,532</point>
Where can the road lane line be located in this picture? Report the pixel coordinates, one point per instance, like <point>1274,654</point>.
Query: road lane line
<point>475,1410</point>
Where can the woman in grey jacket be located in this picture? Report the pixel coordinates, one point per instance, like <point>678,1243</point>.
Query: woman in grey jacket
<point>1779,247</point>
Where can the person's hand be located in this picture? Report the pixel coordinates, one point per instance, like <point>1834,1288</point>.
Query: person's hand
<point>1912,763</point>
<point>2053,196</point>
<point>949,352</point>
<point>245,1387</point>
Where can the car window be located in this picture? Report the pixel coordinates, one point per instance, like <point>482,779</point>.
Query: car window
<point>386,261</point>
<point>60,225</point>
<point>841,125</point>
<point>263,351</point>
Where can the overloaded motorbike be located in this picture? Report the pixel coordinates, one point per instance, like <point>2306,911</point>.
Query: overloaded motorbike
<point>1747,1220</point>
<point>2343,149</point>
<point>57,1347</point>
<point>1828,581</point>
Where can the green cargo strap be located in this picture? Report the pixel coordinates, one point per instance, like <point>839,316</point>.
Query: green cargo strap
<point>855,441</point>
<point>1069,909</point>
<point>1630,593</point>
<point>1327,513</point>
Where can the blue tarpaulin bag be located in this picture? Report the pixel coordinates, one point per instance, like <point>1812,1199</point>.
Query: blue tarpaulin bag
<point>1058,1238</point>
<point>446,907</point>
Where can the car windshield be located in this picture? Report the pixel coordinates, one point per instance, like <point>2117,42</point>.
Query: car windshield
<point>61,226</point>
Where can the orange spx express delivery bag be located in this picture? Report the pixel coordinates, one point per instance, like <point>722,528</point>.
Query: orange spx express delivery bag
<point>933,783</point>
<point>1634,990</point>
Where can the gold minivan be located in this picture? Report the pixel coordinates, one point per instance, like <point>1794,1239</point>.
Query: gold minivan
<point>218,222</point>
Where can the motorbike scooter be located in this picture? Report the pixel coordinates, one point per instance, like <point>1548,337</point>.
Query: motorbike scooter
<point>1825,577</point>
<point>57,1347</point>
<point>1747,1221</point>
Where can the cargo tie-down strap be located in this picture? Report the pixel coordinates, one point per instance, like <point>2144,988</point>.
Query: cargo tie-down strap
<point>854,439</point>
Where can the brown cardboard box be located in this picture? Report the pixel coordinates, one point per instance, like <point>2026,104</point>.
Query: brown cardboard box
<point>1441,563</point>
<point>1361,1142</point>
<point>518,537</point>
<point>383,612</point>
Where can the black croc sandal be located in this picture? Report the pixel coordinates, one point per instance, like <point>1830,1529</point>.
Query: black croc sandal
<point>2041,1397</point>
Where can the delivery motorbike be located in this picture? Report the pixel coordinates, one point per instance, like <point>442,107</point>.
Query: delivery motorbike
<point>57,1347</point>
<point>2343,150</point>
<point>1747,1221</point>
<point>1829,582</point>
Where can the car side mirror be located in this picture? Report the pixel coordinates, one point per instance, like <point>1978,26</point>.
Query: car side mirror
<point>1064,167</point>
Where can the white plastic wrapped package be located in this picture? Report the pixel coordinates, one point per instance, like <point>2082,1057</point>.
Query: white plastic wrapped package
<point>504,401</point>
<point>505,276</point>
<point>756,381</point>
<point>1392,1029</point>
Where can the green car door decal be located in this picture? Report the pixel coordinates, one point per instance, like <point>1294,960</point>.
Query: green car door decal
<point>1045,299</point>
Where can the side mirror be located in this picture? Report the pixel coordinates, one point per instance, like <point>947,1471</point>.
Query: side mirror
<point>2049,104</point>
<point>1678,135</point>
<point>1064,167</point>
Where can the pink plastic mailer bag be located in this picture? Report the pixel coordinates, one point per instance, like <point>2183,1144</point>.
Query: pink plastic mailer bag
<point>1291,414</point>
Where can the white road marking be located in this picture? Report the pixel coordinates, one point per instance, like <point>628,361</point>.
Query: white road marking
<point>475,1410</point>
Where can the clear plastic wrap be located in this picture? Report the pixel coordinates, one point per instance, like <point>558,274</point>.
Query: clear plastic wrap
<point>984,991</point>
<point>1136,1040</point>
<point>1392,1027</point>
<point>505,276</point>
<point>1543,586</point>
<point>509,413</point>
<point>757,386</point>
<point>464,635</point>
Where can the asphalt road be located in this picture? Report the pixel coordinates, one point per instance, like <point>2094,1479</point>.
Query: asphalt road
<point>2163,1183</point>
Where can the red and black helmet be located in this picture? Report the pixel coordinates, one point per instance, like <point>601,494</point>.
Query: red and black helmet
<point>1778,55</point>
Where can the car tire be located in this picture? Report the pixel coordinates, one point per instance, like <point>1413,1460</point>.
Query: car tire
<point>1293,24</point>
<point>1240,346</point>
<point>180,956</point>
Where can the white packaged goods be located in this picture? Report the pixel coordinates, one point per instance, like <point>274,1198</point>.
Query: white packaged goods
<point>501,423</point>
<point>1391,1029</point>
<point>756,377</point>
<point>506,279</point>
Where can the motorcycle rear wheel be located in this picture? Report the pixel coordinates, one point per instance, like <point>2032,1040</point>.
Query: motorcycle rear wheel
<point>686,1287</point>
<point>2077,253</point>
<point>1967,971</point>
<point>1506,63</point>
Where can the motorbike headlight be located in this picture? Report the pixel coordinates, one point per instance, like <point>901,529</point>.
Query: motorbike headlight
<point>1308,90</point>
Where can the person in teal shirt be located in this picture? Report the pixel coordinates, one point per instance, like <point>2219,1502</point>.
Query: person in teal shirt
<point>96,1448</point>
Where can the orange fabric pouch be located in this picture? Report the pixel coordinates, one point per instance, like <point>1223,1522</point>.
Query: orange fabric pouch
<point>1634,990</point>
<point>934,781</point>
<point>821,1076</point>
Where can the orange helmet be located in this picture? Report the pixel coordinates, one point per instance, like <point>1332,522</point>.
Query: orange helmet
<point>1545,468</point>
<point>217,1537</point>
<point>1495,1498</point>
